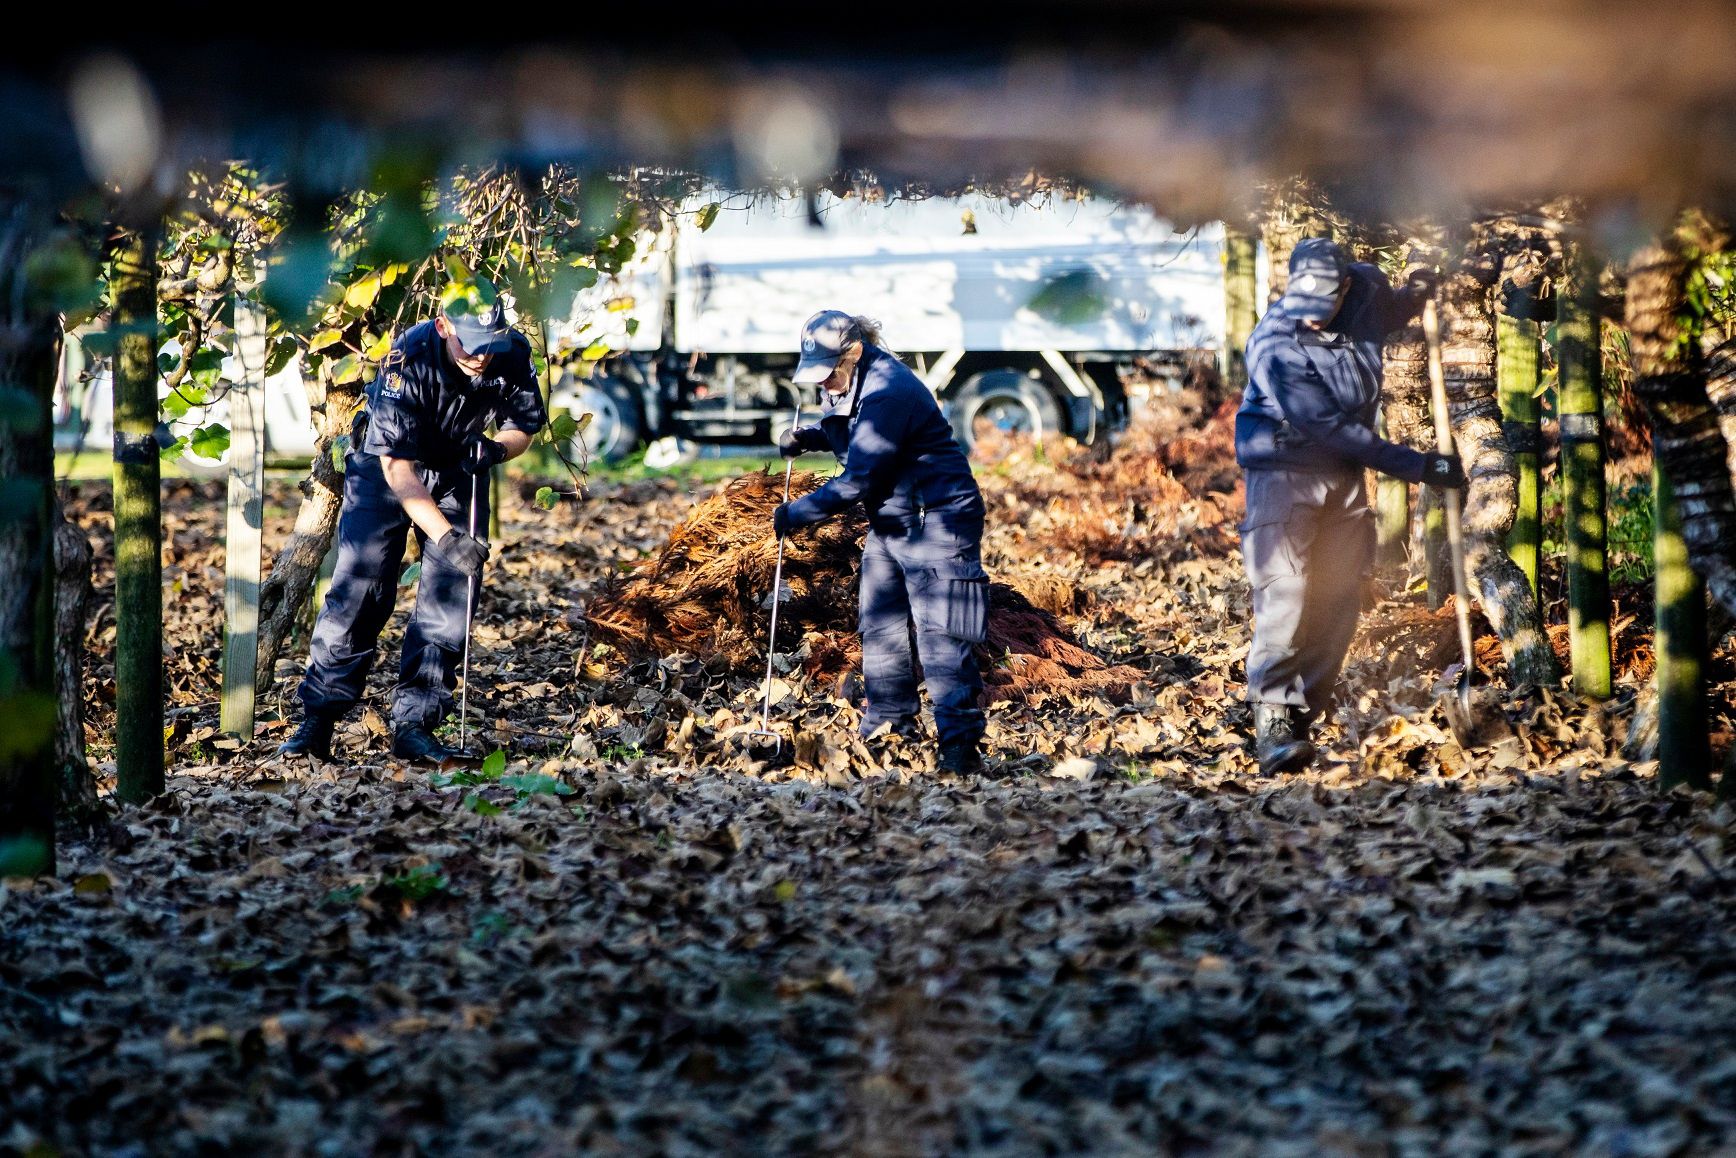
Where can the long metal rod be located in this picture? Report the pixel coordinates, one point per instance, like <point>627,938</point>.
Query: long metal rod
<point>1449,499</point>
<point>778,587</point>
<point>469,611</point>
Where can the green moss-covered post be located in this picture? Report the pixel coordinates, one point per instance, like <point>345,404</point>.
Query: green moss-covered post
<point>1392,516</point>
<point>1579,355</point>
<point>138,520</point>
<point>1517,370</point>
<point>1241,302</point>
<point>28,351</point>
<point>1684,749</point>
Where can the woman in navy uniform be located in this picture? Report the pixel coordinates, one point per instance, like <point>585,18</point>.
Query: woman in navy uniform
<point>444,384</point>
<point>922,560</point>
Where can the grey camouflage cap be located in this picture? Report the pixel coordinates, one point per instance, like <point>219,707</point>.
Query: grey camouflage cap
<point>1318,267</point>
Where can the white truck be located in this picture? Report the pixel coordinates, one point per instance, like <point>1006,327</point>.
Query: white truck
<point>1018,316</point>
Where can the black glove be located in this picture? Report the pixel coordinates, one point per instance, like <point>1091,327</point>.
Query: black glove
<point>1443,470</point>
<point>462,551</point>
<point>781,521</point>
<point>790,444</point>
<point>481,454</point>
<point>1422,283</point>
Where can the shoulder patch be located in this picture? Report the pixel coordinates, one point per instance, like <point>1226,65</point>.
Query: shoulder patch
<point>392,385</point>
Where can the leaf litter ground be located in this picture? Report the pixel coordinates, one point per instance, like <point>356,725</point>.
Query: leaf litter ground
<point>632,939</point>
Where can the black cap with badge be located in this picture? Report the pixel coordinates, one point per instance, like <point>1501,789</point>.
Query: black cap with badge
<point>824,339</point>
<point>478,318</point>
<point>1318,267</point>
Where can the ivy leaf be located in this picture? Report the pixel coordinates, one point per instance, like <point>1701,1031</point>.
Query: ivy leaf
<point>596,351</point>
<point>707,216</point>
<point>279,354</point>
<point>174,451</point>
<point>361,295</point>
<point>210,441</point>
<point>207,367</point>
<point>494,764</point>
<point>482,807</point>
<point>562,427</point>
<point>348,368</point>
<point>535,784</point>
<point>547,498</point>
<point>330,336</point>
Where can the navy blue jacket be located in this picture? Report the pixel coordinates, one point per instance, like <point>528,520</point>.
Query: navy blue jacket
<point>900,459</point>
<point>422,407</point>
<point>1313,395</point>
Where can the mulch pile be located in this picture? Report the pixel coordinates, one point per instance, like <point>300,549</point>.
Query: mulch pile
<point>1160,494</point>
<point>706,593</point>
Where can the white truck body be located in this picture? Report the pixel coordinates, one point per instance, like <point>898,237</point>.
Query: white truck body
<point>746,285</point>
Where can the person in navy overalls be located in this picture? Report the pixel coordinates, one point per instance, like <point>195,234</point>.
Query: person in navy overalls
<point>444,384</point>
<point>922,560</point>
<point>1305,432</point>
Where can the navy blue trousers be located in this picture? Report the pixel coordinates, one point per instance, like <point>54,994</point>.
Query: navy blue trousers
<point>932,576</point>
<point>372,531</point>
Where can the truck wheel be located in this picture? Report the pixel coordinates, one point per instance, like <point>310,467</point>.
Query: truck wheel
<point>1003,401</point>
<point>616,424</point>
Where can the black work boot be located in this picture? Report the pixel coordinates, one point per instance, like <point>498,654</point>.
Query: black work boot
<point>417,743</point>
<point>1277,744</point>
<point>313,738</point>
<point>961,758</point>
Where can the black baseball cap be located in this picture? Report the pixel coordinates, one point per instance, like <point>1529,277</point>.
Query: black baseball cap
<point>824,339</point>
<point>1318,267</point>
<point>474,311</point>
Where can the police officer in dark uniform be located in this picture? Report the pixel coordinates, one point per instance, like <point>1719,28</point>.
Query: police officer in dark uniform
<point>444,384</point>
<point>922,560</point>
<point>1304,434</point>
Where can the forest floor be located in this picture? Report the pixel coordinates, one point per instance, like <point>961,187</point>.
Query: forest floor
<point>633,939</point>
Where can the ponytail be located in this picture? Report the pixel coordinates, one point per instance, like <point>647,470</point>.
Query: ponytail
<point>868,330</point>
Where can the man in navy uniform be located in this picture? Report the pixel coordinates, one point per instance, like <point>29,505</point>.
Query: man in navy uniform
<point>922,560</point>
<point>425,451</point>
<point>1304,434</point>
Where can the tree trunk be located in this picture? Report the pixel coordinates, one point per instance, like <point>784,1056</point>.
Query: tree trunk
<point>1294,210</point>
<point>72,558</point>
<point>1405,410</point>
<point>1686,437</point>
<point>138,522</point>
<point>297,565</point>
<point>1579,354</point>
<point>1720,354</point>
<point>1491,501</point>
<point>1392,518</point>
<point>1241,305</point>
<point>1518,370</point>
<point>29,347</point>
<point>1684,748</point>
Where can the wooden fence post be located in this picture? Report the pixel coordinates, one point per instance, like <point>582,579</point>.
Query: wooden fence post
<point>244,538</point>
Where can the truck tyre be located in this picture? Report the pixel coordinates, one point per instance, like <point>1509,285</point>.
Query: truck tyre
<point>1005,400</point>
<point>617,423</point>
